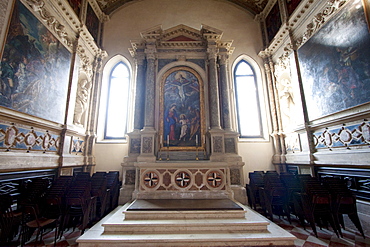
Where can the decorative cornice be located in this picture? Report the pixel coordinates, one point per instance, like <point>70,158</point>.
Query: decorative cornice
<point>181,30</point>
<point>320,19</point>
<point>99,13</point>
<point>52,23</point>
<point>181,44</point>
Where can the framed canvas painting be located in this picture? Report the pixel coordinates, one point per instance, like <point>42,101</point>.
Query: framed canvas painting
<point>273,22</point>
<point>35,68</point>
<point>182,113</point>
<point>92,23</point>
<point>335,63</point>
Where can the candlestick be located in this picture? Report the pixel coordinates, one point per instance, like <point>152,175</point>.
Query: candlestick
<point>196,140</point>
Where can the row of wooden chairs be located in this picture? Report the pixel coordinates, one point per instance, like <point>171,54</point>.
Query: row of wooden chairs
<point>318,202</point>
<point>67,201</point>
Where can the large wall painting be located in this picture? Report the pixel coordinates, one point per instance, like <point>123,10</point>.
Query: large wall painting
<point>182,114</point>
<point>34,68</point>
<point>335,63</point>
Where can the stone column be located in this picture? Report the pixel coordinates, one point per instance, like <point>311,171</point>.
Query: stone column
<point>140,89</point>
<point>148,133</point>
<point>213,88</point>
<point>150,86</point>
<point>225,93</point>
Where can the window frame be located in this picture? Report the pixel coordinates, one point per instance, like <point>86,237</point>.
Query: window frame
<point>104,101</point>
<point>260,97</point>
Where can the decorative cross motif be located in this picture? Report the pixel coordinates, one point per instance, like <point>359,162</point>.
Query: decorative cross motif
<point>151,179</point>
<point>182,179</point>
<point>214,179</point>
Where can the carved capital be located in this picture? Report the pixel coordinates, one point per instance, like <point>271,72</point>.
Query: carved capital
<point>212,53</point>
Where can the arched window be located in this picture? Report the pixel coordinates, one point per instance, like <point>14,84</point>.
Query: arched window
<point>247,101</point>
<point>114,100</point>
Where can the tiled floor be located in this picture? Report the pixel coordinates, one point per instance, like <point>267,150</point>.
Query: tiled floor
<point>326,237</point>
<point>305,237</point>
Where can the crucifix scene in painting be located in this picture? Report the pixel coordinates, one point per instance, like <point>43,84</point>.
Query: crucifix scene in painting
<point>181,109</point>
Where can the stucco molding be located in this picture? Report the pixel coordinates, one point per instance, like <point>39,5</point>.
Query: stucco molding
<point>319,20</point>
<point>54,25</point>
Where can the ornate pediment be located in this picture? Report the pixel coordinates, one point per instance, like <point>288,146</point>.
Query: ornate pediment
<point>181,33</point>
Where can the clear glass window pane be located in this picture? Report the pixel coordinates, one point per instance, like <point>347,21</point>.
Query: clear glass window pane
<point>117,102</point>
<point>244,69</point>
<point>247,101</point>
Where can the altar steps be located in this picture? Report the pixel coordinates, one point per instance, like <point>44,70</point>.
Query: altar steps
<point>185,228</point>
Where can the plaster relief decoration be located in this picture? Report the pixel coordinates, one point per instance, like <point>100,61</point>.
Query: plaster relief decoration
<point>288,92</point>
<point>346,136</point>
<point>190,179</point>
<point>82,98</point>
<point>335,62</point>
<point>34,67</point>
<point>182,125</point>
<point>14,137</point>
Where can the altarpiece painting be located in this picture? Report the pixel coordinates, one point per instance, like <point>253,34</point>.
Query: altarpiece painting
<point>182,113</point>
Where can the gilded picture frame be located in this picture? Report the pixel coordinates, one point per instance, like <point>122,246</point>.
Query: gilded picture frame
<point>182,116</point>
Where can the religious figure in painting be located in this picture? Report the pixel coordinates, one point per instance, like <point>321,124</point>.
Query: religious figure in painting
<point>184,126</point>
<point>181,118</point>
<point>170,123</point>
<point>194,118</point>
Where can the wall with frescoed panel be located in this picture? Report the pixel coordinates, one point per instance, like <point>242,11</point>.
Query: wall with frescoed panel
<point>45,54</point>
<point>319,63</point>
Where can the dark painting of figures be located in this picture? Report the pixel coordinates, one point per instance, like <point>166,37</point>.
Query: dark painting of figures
<point>92,23</point>
<point>34,68</point>
<point>273,22</point>
<point>182,109</point>
<point>335,63</point>
<point>292,5</point>
<point>76,6</point>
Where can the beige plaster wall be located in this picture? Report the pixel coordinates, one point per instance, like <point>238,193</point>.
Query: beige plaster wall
<point>108,157</point>
<point>237,25</point>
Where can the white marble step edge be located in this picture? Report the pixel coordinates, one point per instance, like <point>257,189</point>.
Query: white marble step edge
<point>201,214</point>
<point>187,225</point>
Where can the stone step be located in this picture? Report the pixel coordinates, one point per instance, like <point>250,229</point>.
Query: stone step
<point>181,226</point>
<point>178,215</point>
<point>187,232</point>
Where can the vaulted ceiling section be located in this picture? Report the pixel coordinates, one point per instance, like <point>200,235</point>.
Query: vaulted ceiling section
<point>253,6</point>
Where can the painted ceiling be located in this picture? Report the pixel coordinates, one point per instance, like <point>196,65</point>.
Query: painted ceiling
<point>253,6</point>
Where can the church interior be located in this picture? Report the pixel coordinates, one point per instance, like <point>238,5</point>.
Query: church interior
<point>184,122</point>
